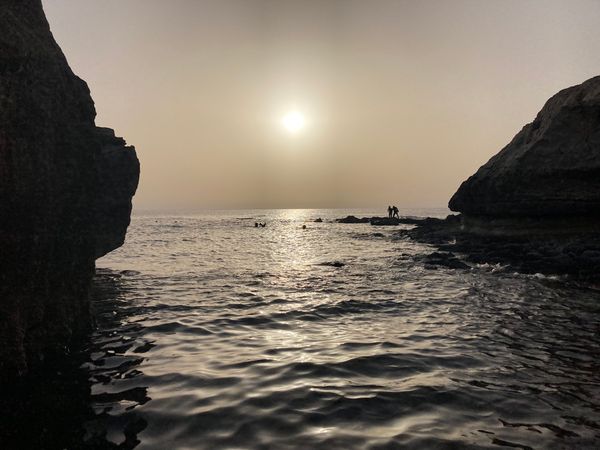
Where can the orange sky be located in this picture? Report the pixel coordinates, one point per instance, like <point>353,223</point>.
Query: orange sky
<point>404,99</point>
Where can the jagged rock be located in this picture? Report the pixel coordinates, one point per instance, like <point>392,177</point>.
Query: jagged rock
<point>551,167</point>
<point>65,191</point>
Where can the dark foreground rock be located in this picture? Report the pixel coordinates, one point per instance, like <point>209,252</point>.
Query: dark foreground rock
<point>65,192</point>
<point>63,404</point>
<point>118,173</point>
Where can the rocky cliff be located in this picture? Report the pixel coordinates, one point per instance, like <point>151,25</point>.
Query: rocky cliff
<point>551,169</point>
<point>65,191</point>
<point>535,206</point>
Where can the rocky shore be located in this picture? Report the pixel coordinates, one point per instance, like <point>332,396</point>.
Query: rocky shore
<point>65,192</point>
<point>535,206</point>
<point>573,254</point>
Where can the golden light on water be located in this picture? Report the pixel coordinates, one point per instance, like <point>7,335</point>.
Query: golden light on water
<point>294,121</point>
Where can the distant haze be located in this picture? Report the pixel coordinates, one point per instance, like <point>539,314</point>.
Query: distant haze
<point>403,99</point>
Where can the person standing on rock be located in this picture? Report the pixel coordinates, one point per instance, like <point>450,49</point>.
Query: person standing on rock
<point>396,212</point>
<point>390,212</point>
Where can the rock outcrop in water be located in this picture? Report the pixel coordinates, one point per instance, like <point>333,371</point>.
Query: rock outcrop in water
<point>380,221</point>
<point>535,206</point>
<point>550,169</point>
<point>65,191</point>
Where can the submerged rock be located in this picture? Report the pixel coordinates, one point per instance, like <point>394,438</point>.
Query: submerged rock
<point>336,264</point>
<point>551,167</point>
<point>65,191</point>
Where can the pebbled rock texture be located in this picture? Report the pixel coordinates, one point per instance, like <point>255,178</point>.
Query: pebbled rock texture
<point>65,192</point>
<point>551,168</point>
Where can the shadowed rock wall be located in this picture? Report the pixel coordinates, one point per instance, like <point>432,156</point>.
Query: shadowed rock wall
<point>65,191</point>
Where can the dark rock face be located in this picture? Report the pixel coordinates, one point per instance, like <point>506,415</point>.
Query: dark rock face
<point>551,168</point>
<point>65,191</point>
<point>118,170</point>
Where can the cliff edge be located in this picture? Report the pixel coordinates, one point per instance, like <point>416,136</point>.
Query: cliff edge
<point>65,191</point>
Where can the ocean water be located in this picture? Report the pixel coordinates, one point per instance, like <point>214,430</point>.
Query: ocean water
<point>214,334</point>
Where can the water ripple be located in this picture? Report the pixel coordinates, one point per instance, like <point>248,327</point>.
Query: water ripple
<point>218,335</point>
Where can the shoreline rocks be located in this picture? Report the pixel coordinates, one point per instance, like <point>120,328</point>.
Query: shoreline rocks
<point>574,254</point>
<point>535,206</point>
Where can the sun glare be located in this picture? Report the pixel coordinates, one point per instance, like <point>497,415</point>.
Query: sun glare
<point>293,121</point>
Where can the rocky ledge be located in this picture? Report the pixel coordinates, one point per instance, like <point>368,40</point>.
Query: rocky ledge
<point>381,221</point>
<point>573,254</point>
<point>535,206</point>
<point>65,192</point>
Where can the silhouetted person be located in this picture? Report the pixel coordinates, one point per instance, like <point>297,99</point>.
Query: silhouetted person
<point>390,212</point>
<point>255,224</point>
<point>396,212</point>
<point>263,224</point>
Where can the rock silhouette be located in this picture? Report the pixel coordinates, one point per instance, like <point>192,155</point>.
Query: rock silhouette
<point>551,167</point>
<point>65,191</point>
<point>534,207</point>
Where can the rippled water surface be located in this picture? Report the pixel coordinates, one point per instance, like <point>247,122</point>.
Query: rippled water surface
<point>214,334</point>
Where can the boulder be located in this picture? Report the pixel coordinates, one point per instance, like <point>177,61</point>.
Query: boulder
<point>550,169</point>
<point>65,192</point>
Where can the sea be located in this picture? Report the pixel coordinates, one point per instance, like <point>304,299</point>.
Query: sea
<point>213,333</point>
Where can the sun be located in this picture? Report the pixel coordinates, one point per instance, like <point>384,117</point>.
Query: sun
<point>293,121</point>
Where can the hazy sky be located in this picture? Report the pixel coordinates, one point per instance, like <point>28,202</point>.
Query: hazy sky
<point>403,99</point>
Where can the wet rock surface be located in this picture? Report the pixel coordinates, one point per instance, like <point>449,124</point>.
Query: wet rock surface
<point>443,259</point>
<point>559,253</point>
<point>65,192</point>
